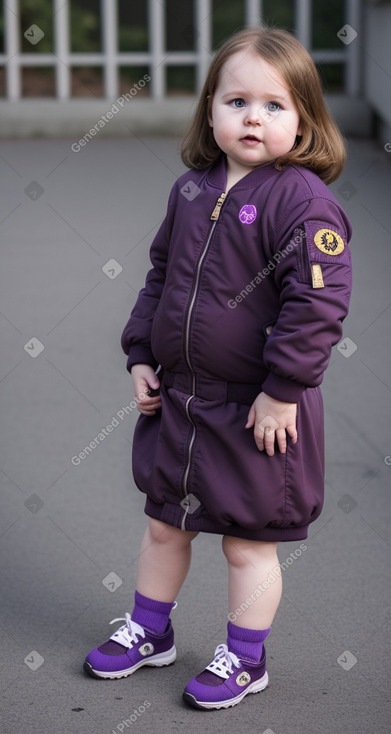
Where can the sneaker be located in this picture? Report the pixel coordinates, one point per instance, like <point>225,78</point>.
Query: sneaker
<point>225,681</point>
<point>128,649</point>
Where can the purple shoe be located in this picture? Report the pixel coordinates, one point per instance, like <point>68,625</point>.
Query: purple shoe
<point>225,681</point>
<point>128,649</point>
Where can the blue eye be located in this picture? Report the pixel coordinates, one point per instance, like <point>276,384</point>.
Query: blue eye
<point>238,103</point>
<point>272,107</point>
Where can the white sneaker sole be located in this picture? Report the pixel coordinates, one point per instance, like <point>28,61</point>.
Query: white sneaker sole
<point>255,687</point>
<point>164,658</point>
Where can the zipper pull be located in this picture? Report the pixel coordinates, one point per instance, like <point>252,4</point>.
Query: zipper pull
<point>216,211</point>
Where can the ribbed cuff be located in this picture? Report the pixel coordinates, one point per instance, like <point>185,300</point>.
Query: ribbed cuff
<point>141,354</point>
<point>244,634</point>
<point>280,388</point>
<point>246,643</point>
<point>151,613</point>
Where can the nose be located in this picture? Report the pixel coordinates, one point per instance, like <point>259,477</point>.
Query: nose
<point>253,115</point>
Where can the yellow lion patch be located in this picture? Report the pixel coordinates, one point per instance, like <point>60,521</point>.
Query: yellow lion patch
<point>329,242</point>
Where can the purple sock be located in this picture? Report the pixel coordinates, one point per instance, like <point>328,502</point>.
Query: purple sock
<point>151,613</point>
<point>246,643</point>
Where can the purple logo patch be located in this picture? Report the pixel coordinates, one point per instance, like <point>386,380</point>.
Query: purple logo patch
<point>248,214</point>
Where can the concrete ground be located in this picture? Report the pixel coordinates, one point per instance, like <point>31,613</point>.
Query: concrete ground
<point>70,529</point>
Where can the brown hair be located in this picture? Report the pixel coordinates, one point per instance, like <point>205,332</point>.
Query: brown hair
<point>320,147</point>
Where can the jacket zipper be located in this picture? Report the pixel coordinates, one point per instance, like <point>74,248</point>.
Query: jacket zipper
<point>213,217</point>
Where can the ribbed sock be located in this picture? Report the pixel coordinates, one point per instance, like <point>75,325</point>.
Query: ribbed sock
<point>150,613</point>
<point>246,643</point>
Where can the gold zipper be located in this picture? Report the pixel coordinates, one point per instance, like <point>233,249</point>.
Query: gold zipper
<point>214,217</point>
<point>216,211</point>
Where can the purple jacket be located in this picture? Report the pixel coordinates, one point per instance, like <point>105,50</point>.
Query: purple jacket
<point>246,293</point>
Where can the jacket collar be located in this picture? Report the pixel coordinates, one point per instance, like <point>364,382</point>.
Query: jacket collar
<point>217,175</point>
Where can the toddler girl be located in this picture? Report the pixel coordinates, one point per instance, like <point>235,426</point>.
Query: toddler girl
<point>227,344</point>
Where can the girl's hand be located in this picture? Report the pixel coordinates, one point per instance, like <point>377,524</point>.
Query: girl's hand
<point>272,419</point>
<point>144,380</point>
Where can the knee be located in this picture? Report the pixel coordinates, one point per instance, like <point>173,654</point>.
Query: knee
<point>164,534</point>
<point>240,553</point>
<point>233,551</point>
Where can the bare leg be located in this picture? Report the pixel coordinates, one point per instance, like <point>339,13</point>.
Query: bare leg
<point>164,560</point>
<point>250,564</point>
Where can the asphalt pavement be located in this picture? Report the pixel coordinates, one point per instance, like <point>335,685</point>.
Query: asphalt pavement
<point>75,233</point>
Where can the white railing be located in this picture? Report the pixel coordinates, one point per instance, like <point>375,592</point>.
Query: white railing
<point>157,58</point>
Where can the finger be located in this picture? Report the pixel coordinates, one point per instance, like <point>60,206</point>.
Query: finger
<point>145,398</point>
<point>269,440</point>
<point>292,432</point>
<point>140,390</point>
<point>148,406</point>
<point>281,440</point>
<point>151,404</point>
<point>147,385</point>
<point>149,411</point>
<point>259,442</point>
<point>259,434</point>
<point>152,387</point>
<point>250,418</point>
<point>264,436</point>
<point>144,393</point>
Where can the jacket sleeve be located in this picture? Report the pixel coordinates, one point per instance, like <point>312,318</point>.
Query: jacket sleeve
<point>314,277</point>
<point>136,336</point>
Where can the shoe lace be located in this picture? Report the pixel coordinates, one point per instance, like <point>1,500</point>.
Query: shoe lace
<point>129,633</point>
<point>223,662</point>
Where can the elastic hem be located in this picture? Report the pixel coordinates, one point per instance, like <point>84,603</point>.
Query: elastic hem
<point>173,515</point>
<point>208,388</point>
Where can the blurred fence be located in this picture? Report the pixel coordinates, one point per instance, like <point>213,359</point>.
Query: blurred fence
<point>64,62</point>
<point>194,23</point>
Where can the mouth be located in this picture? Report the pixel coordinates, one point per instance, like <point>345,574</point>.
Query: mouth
<point>251,139</point>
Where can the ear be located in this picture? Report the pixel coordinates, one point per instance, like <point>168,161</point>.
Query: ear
<point>300,129</point>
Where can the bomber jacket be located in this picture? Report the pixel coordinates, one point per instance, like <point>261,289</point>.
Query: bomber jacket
<point>249,287</point>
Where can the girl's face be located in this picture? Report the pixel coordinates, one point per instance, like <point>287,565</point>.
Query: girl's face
<point>253,116</point>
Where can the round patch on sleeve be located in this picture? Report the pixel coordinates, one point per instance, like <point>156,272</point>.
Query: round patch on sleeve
<point>329,242</point>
